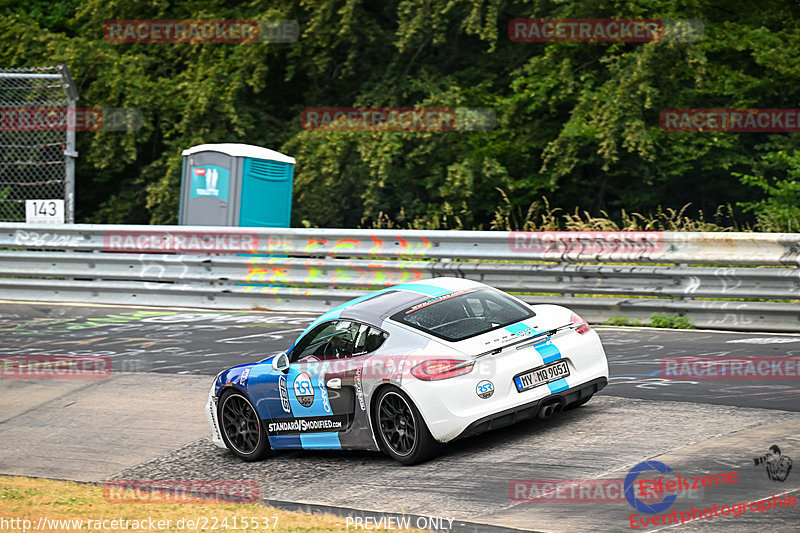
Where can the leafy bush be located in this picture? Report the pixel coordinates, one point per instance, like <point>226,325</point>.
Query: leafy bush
<point>623,321</point>
<point>13,210</point>
<point>780,210</point>
<point>540,216</point>
<point>663,320</point>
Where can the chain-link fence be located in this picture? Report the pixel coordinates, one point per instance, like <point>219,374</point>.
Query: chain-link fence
<point>36,156</point>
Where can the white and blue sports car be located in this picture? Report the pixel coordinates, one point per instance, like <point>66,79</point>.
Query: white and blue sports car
<point>407,368</point>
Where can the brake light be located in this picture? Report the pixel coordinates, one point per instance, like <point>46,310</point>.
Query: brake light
<point>580,325</point>
<point>437,369</point>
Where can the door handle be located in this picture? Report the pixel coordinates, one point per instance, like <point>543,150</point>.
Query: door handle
<point>335,383</point>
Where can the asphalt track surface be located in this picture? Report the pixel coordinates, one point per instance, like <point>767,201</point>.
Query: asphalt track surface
<point>146,422</point>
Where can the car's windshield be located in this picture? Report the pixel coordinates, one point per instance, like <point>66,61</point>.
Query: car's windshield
<point>464,314</point>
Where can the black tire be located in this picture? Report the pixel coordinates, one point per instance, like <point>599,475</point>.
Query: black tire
<point>241,429</point>
<point>579,402</point>
<point>400,430</point>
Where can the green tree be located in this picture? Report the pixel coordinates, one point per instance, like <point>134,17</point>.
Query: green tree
<point>780,181</point>
<point>577,122</point>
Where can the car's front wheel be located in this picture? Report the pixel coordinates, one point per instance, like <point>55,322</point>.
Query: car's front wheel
<point>242,430</point>
<point>402,433</point>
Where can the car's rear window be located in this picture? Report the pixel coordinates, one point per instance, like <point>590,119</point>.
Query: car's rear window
<point>461,315</point>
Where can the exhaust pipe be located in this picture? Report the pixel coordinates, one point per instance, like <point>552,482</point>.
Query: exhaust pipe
<point>550,409</point>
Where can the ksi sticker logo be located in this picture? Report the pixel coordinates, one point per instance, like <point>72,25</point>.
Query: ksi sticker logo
<point>485,389</point>
<point>244,376</point>
<point>303,389</point>
<point>284,394</point>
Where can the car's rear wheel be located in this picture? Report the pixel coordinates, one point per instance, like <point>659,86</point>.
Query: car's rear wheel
<point>242,430</point>
<point>402,433</point>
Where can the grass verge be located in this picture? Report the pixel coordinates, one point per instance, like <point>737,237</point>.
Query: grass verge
<point>33,500</point>
<point>657,320</point>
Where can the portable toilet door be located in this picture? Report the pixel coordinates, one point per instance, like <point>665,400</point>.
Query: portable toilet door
<point>234,184</point>
<point>209,188</point>
<point>266,192</point>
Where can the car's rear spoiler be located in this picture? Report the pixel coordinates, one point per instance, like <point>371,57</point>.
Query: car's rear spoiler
<point>527,341</point>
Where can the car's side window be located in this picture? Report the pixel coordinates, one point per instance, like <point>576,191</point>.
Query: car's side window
<point>331,340</point>
<point>311,341</point>
<point>369,340</point>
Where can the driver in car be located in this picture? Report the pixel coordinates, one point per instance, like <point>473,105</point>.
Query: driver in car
<point>338,346</point>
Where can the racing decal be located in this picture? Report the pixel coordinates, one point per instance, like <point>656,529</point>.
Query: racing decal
<point>303,389</point>
<point>323,391</point>
<point>359,389</point>
<point>311,424</point>
<point>558,385</point>
<point>512,333</point>
<point>432,301</point>
<point>520,330</point>
<point>243,377</point>
<point>550,353</point>
<point>284,394</point>
<point>484,389</point>
<point>430,290</point>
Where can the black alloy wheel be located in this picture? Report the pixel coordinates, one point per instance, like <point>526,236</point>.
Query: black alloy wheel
<point>242,430</point>
<point>398,427</point>
<point>402,432</point>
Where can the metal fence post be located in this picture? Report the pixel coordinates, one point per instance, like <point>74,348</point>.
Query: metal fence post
<point>37,139</point>
<point>70,153</point>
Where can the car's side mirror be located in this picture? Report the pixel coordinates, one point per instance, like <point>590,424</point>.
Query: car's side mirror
<point>280,363</point>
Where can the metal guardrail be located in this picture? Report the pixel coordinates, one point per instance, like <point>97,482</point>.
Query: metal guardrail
<point>315,269</point>
<point>578,246</point>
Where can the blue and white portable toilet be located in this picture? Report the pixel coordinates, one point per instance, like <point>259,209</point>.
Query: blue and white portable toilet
<point>236,185</point>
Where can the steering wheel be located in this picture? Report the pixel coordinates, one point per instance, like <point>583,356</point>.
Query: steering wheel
<point>330,350</point>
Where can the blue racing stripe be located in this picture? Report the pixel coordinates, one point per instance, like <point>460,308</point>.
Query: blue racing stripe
<point>285,441</point>
<point>548,351</point>
<point>516,328</point>
<point>321,441</point>
<point>430,290</point>
<point>558,385</point>
<point>334,313</point>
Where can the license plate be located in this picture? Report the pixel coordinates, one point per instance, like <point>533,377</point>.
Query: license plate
<point>539,376</point>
